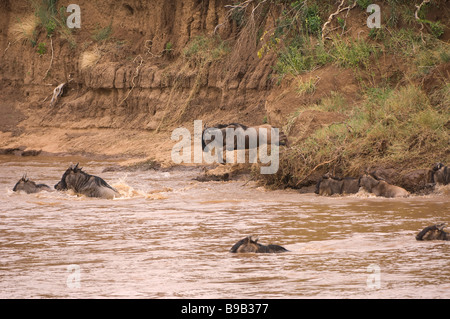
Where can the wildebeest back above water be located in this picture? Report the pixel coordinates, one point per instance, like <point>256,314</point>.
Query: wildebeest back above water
<point>82,183</point>
<point>381,187</point>
<point>433,232</point>
<point>29,187</point>
<point>330,185</point>
<point>250,245</point>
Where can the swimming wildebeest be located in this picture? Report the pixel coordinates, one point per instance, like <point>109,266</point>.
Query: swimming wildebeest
<point>433,232</point>
<point>250,245</point>
<point>381,188</point>
<point>329,185</point>
<point>82,183</point>
<point>244,137</point>
<point>29,187</point>
<point>440,174</point>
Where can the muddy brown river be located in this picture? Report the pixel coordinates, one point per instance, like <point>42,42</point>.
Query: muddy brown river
<point>169,237</point>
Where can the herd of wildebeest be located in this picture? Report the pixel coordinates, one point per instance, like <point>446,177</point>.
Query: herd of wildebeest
<point>80,182</point>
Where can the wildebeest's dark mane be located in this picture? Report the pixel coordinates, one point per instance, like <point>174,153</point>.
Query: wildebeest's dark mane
<point>98,180</point>
<point>244,127</point>
<point>222,126</point>
<point>74,168</point>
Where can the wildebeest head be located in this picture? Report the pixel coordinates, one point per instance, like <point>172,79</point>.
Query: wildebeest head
<point>62,184</point>
<point>246,245</point>
<point>251,245</point>
<point>28,186</point>
<point>368,182</point>
<point>440,174</point>
<point>437,166</point>
<point>208,135</point>
<point>24,184</point>
<point>433,232</point>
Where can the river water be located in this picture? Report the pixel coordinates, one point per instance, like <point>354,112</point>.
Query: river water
<point>169,237</point>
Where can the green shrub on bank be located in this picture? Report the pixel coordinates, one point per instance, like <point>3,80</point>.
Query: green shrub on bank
<point>395,127</point>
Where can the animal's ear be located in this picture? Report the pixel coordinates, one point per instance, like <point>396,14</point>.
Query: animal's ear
<point>204,126</point>
<point>441,226</point>
<point>254,239</point>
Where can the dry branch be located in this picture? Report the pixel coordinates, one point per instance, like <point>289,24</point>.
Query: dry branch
<point>51,61</point>
<point>418,7</point>
<point>339,10</point>
<point>316,167</point>
<point>134,77</point>
<point>416,15</point>
<point>57,92</point>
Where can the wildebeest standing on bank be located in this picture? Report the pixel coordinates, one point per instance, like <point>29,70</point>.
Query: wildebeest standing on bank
<point>29,187</point>
<point>381,188</point>
<point>440,174</point>
<point>246,133</point>
<point>433,232</point>
<point>82,183</point>
<point>250,245</point>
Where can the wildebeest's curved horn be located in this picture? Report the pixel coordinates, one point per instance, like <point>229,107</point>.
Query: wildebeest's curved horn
<point>254,238</point>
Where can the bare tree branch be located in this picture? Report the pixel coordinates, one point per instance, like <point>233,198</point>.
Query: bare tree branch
<point>339,10</point>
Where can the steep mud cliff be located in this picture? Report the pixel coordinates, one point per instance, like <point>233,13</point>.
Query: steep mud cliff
<point>123,88</point>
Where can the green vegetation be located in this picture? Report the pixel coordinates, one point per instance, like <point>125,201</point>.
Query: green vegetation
<point>396,121</point>
<point>102,34</point>
<point>41,48</point>
<point>49,19</point>
<point>391,127</point>
<point>46,12</point>
<point>204,49</point>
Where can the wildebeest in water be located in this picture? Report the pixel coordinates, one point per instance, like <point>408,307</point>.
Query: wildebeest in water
<point>381,187</point>
<point>29,187</point>
<point>82,183</point>
<point>329,185</point>
<point>433,232</point>
<point>250,245</point>
<point>440,174</point>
